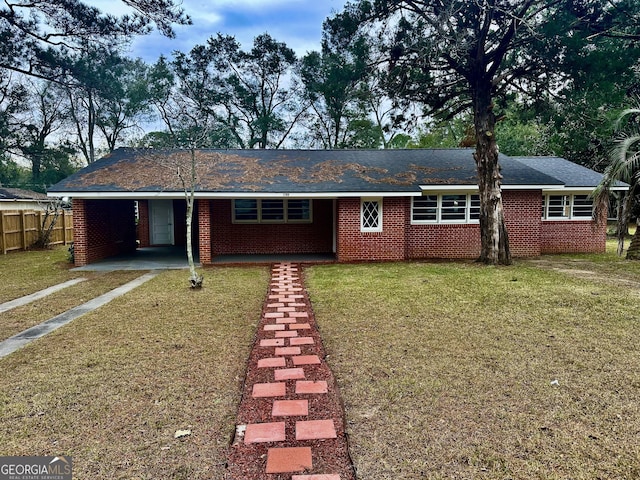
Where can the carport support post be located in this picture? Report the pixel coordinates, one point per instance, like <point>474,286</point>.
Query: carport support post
<point>204,227</point>
<point>80,252</point>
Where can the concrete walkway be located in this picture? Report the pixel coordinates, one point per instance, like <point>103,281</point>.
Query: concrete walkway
<point>164,258</point>
<point>290,420</point>
<point>12,344</point>
<point>19,302</point>
<point>146,258</point>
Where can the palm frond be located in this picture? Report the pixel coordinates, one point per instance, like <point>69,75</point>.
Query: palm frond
<point>625,159</point>
<point>624,167</point>
<point>628,112</point>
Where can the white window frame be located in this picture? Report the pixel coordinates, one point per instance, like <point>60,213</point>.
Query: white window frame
<point>574,206</point>
<point>377,228</point>
<point>285,206</point>
<point>233,211</point>
<point>570,207</point>
<point>299,220</point>
<point>438,214</point>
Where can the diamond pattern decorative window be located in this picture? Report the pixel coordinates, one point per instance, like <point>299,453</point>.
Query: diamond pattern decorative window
<point>371,216</point>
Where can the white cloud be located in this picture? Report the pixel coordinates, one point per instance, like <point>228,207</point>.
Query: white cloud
<point>262,4</point>
<point>298,23</point>
<point>111,7</point>
<point>200,13</point>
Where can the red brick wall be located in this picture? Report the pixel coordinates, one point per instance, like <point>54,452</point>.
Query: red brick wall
<point>531,236</point>
<point>575,236</point>
<point>103,228</point>
<point>245,239</point>
<point>80,252</point>
<point>204,228</point>
<point>523,215</point>
<point>143,223</point>
<point>354,245</point>
<point>444,241</point>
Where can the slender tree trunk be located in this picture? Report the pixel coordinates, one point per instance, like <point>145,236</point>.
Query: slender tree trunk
<point>336,133</point>
<point>86,143</point>
<point>36,166</point>
<point>189,220</point>
<point>91,125</point>
<point>51,213</point>
<point>493,231</point>
<point>195,279</point>
<point>75,106</point>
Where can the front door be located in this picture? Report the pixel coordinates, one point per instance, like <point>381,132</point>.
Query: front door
<point>161,216</point>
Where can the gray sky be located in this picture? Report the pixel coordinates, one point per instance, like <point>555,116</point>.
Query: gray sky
<point>298,23</point>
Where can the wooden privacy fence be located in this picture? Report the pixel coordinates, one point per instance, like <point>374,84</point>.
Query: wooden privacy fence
<point>19,230</point>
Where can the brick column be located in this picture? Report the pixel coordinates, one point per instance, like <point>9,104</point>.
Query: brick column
<point>80,236</point>
<point>522,213</point>
<point>143,223</point>
<point>204,228</point>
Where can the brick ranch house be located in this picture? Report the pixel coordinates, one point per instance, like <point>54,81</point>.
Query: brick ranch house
<point>358,205</point>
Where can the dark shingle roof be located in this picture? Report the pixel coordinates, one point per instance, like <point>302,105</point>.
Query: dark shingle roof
<point>308,171</point>
<point>20,194</point>
<point>569,173</point>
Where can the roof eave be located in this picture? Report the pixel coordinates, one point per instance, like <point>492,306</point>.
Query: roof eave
<point>582,189</point>
<point>225,195</point>
<point>467,187</point>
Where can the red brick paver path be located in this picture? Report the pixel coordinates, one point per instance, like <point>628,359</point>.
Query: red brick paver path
<point>290,423</point>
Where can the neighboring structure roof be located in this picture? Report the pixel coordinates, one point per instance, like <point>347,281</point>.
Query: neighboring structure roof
<point>138,172</point>
<point>13,194</point>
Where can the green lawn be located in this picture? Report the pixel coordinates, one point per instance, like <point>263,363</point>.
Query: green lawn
<point>446,370</point>
<point>454,370</point>
<point>112,387</point>
<point>23,273</point>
